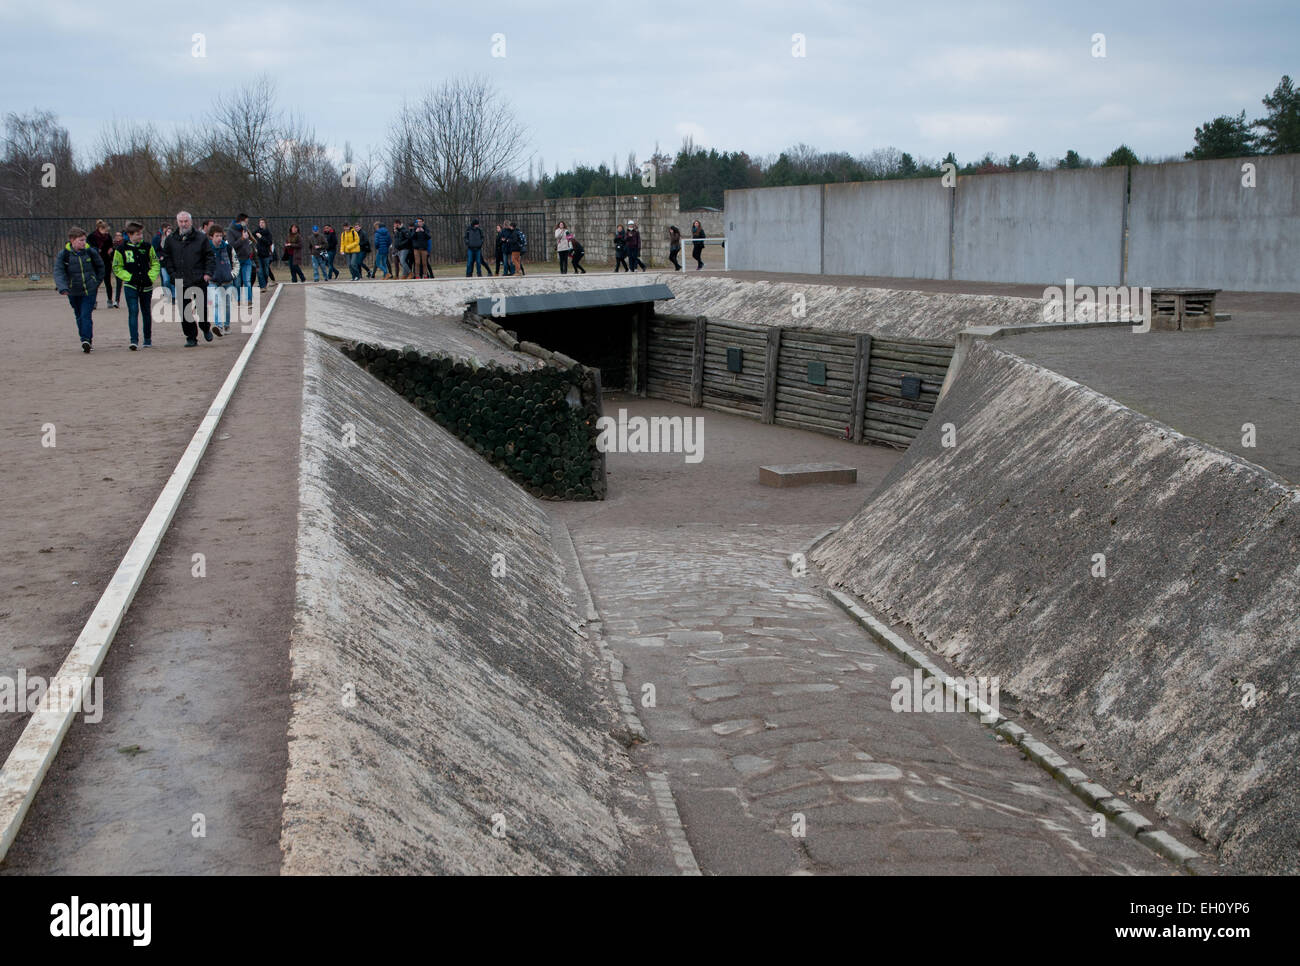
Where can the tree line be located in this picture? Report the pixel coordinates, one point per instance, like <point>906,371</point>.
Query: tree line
<point>458,147</point>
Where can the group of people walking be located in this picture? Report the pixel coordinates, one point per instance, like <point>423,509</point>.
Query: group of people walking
<point>212,264</point>
<point>217,264</point>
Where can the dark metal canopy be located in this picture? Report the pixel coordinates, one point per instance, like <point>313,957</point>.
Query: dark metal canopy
<point>575,299</point>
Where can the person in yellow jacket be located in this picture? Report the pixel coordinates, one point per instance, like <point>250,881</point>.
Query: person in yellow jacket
<point>137,268</point>
<point>350,246</point>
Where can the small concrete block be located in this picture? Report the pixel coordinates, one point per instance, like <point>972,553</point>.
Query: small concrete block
<point>1202,866</point>
<point>804,474</point>
<point>1043,755</point>
<point>1092,793</point>
<point>1168,846</point>
<point>1012,732</point>
<point>1113,806</point>
<point>1072,776</point>
<point>1132,822</point>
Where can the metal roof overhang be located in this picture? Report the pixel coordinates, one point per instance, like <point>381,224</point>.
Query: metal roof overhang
<point>563,301</point>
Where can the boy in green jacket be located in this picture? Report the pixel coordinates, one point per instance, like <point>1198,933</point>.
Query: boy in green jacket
<point>137,265</point>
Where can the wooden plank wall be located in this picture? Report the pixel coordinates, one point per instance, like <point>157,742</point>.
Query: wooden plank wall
<point>862,399</point>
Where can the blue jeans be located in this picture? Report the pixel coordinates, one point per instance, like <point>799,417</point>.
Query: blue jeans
<point>246,278</point>
<point>139,303</point>
<point>474,256</point>
<point>82,307</point>
<point>263,266</point>
<point>168,284</point>
<point>220,298</point>
<point>318,268</point>
<point>329,262</point>
<point>381,261</point>
<point>354,264</point>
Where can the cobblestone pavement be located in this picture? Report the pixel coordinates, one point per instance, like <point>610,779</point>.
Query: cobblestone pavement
<point>771,709</point>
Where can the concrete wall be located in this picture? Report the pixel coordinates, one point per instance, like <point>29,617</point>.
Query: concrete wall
<point>775,229</point>
<point>985,550</point>
<point>1040,227</point>
<point>898,229</point>
<point>1196,225</point>
<point>428,694</point>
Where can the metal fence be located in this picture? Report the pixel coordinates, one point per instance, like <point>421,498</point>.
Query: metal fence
<point>28,245</point>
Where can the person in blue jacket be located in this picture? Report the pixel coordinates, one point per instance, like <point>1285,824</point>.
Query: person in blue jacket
<point>382,239</point>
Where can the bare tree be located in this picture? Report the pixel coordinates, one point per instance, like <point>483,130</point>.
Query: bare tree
<point>31,141</point>
<point>447,149</point>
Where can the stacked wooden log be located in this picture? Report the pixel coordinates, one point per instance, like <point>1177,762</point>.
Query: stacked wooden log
<point>537,426</point>
<point>890,417</point>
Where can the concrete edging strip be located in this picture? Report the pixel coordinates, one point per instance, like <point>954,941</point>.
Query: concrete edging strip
<point>683,856</point>
<point>40,740</point>
<point>1094,795</point>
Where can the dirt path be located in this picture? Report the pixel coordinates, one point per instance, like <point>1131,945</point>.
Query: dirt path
<point>196,683</point>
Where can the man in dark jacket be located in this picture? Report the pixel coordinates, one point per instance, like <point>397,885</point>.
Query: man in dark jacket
<point>331,249</point>
<point>78,270</point>
<point>402,245</point>
<point>499,249</point>
<point>188,256</point>
<point>264,240</point>
<point>474,249</point>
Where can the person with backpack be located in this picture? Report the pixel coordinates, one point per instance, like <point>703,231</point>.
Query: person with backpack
<point>188,255</point>
<point>563,246</point>
<point>383,240</point>
<point>136,265</point>
<point>264,242</point>
<point>241,244</point>
<point>402,246</point>
<point>620,249</point>
<point>222,291</point>
<point>634,247</point>
<point>78,270</point>
<point>578,252</point>
<point>365,250</point>
<point>350,246</point>
<point>474,250</point>
<point>697,247</point>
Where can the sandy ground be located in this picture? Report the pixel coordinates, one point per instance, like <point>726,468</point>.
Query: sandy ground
<point>196,683</point>
<point>121,421</point>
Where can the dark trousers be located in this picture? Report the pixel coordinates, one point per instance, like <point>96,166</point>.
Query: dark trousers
<point>140,303</point>
<point>620,260</point>
<point>672,257</point>
<point>696,251</point>
<point>263,266</point>
<point>109,279</point>
<point>634,259</point>
<point>295,271</point>
<point>577,257</point>
<point>474,259</point>
<point>564,262</point>
<point>82,307</point>
<point>194,308</point>
<point>498,262</point>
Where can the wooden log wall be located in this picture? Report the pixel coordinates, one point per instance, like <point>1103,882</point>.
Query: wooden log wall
<point>861,400</point>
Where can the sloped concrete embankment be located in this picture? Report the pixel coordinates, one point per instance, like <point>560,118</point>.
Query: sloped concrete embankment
<point>433,702</point>
<point>986,550</point>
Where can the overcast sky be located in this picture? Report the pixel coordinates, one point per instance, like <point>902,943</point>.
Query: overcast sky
<point>596,80</point>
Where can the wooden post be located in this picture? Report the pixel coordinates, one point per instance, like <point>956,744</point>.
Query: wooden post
<point>643,346</point>
<point>861,369</point>
<point>770,374</point>
<point>697,364</point>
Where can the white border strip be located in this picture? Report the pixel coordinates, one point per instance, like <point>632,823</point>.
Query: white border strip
<point>32,756</point>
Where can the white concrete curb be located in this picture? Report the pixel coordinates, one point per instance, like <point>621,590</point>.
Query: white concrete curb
<point>1095,796</point>
<point>32,756</point>
<point>683,856</point>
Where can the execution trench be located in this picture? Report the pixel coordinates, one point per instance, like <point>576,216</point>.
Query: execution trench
<point>767,709</point>
<point>762,703</point>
